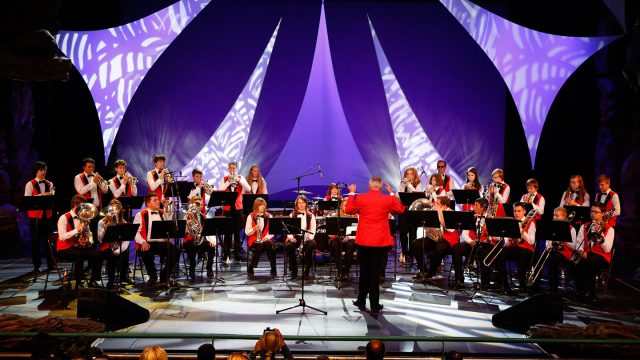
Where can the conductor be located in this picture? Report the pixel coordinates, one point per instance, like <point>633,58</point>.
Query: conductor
<point>372,236</point>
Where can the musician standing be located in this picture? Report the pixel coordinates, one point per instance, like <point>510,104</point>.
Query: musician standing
<point>560,253</point>
<point>90,184</point>
<point>410,183</point>
<point>306,240</point>
<point>534,198</point>
<point>472,239</point>
<point>447,181</point>
<point>116,254</point>
<point>608,198</point>
<point>473,183</point>
<point>147,246</point>
<point>257,229</point>
<point>576,194</point>
<point>74,244</point>
<point>233,183</point>
<point>594,243</point>
<point>199,195</point>
<point>498,191</point>
<point>157,178</point>
<point>256,181</point>
<point>40,222</point>
<point>372,237</point>
<point>122,184</point>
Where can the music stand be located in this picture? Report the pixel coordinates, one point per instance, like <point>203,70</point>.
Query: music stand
<point>407,198</point>
<point>168,229</point>
<point>460,220</point>
<point>249,199</point>
<point>131,202</point>
<point>553,230</point>
<point>219,225</point>
<point>119,233</point>
<point>423,219</point>
<point>184,189</point>
<point>38,203</point>
<point>467,197</point>
<point>223,198</point>
<point>289,225</point>
<point>337,226</point>
<point>284,225</point>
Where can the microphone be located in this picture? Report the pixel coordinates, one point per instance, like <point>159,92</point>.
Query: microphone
<point>319,170</point>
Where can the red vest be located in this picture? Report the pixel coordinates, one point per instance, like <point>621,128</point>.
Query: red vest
<point>85,182</point>
<point>37,214</point>
<point>608,205</point>
<point>104,246</point>
<point>447,183</point>
<point>144,217</point>
<point>597,248</point>
<point>63,245</point>
<point>265,231</point>
<point>526,245</point>
<point>238,199</point>
<point>117,184</point>
<point>161,189</point>
<point>451,237</point>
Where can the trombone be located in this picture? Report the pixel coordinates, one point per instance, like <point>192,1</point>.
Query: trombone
<point>536,270</point>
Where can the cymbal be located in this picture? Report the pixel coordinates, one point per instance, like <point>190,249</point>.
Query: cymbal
<point>302,192</point>
<point>347,195</point>
<point>317,198</point>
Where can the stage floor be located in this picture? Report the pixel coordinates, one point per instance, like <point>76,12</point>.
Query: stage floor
<point>242,306</point>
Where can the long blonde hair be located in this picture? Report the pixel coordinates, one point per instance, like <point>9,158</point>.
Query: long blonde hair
<point>260,178</point>
<point>416,178</point>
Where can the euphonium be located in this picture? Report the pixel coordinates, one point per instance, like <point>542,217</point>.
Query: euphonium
<point>112,216</point>
<point>167,206</point>
<point>194,224</point>
<point>85,213</point>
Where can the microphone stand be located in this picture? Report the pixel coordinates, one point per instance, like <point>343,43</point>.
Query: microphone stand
<point>297,178</point>
<point>301,302</point>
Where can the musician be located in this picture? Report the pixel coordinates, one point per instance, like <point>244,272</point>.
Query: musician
<point>435,188</point>
<point>576,194</point>
<point>372,237</point>
<point>257,229</point>
<point>470,241</point>
<point>74,243</point>
<point>534,198</point>
<point>122,184</point>
<point>157,178</point>
<point>560,253</point>
<point>608,198</point>
<point>447,181</point>
<point>441,246</point>
<point>472,183</point>
<point>333,193</point>
<point>194,241</point>
<point>150,247</point>
<point>306,240</point>
<point>594,243</point>
<point>90,184</point>
<point>233,183</point>
<point>498,191</point>
<point>410,183</point>
<point>256,181</point>
<point>202,189</point>
<point>116,254</point>
<point>521,250</point>
<point>40,222</point>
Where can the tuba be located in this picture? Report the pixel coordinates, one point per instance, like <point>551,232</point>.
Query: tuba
<point>193,218</point>
<point>86,212</point>
<point>424,205</point>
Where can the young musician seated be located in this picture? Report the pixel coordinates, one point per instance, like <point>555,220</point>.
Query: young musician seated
<point>435,188</point>
<point>521,250</point>
<point>576,194</point>
<point>534,198</point>
<point>306,240</point>
<point>75,243</point>
<point>123,183</point>
<point>609,199</point>
<point>40,222</point>
<point>117,253</point>
<point>441,246</point>
<point>333,194</point>
<point>594,243</point>
<point>560,253</point>
<point>470,241</point>
<point>257,229</point>
<point>200,194</point>
<point>149,247</point>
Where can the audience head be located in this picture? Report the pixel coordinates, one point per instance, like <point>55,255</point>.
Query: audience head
<point>375,350</point>
<point>154,353</point>
<point>206,352</point>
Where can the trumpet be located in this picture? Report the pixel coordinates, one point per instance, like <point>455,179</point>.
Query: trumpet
<point>168,177</point>
<point>207,187</point>
<point>468,186</point>
<point>132,179</point>
<point>101,181</point>
<point>233,179</point>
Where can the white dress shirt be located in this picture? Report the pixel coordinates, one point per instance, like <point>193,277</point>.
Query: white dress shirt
<point>122,191</point>
<point>92,188</point>
<point>153,216</point>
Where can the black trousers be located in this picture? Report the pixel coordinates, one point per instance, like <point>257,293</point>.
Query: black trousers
<point>349,248</point>
<point>120,261</point>
<point>460,250</point>
<point>523,260</point>
<point>78,256</point>
<point>407,234</point>
<point>307,249</point>
<point>553,264</point>
<point>40,229</point>
<point>234,237</point>
<point>440,249</point>
<point>258,248</point>
<point>371,261</point>
<point>160,249</point>
<point>192,250</point>
<point>585,273</point>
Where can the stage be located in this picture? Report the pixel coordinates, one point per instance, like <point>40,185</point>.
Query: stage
<point>247,307</point>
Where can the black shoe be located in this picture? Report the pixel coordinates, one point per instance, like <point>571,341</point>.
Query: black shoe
<point>250,270</point>
<point>93,284</point>
<point>419,276</point>
<point>152,281</point>
<point>109,284</point>
<point>127,281</point>
<point>192,275</point>
<point>377,308</point>
<point>209,274</point>
<point>274,273</point>
<point>358,303</point>
<point>294,275</point>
